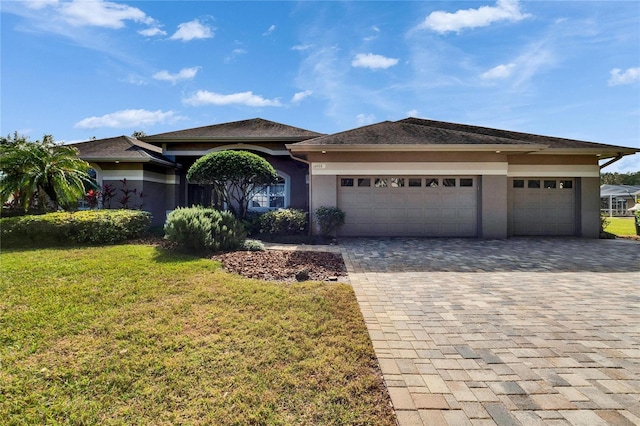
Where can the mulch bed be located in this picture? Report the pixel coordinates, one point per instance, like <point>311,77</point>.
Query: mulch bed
<point>284,265</point>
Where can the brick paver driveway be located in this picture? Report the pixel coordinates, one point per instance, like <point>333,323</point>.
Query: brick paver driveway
<point>520,331</point>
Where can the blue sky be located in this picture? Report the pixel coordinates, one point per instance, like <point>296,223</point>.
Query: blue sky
<point>79,69</point>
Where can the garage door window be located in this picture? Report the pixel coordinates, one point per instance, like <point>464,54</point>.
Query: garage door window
<point>415,182</point>
<point>381,183</point>
<point>550,184</point>
<point>466,183</point>
<point>566,184</point>
<point>346,182</point>
<point>364,182</point>
<point>533,184</point>
<point>397,182</point>
<point>449,182</point>
<point>431,183</point>
<point>518,183</point>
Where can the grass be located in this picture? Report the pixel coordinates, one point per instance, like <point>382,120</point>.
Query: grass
<point>621,226</point>
<point>132,334</point>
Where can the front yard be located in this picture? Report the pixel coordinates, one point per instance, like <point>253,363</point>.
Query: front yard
<point>133,334</point>
<point>621,226</point>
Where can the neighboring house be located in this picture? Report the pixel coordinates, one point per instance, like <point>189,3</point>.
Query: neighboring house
<point>616,200</point>
<point>412,177</point>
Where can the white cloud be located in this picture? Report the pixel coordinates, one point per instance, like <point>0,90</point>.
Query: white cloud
<point>100,14</point>
<point>128,118</point>
<point>271,29</point>
<point>413,113</point>
<point>40,4</point>
<point>192,30</point>
<point>183,74</point>
<point>363,119</point>
<point>376,32</point>
<point>234,54</point>
<point>504,10</point>
<point>369,60</point>
<point>204,97</point>
<point>300,96</point>
<point>302,47</point>
<point>619,77</point>
<point>150,32</point>
<point>501,71</point>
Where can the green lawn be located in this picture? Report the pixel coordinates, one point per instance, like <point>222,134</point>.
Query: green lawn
<point>621,226</point>
<point>133,334</point>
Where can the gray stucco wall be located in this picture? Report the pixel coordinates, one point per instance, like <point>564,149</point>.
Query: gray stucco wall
<point>589,207</point>
<point>493,207</point>
<point>324,193</point>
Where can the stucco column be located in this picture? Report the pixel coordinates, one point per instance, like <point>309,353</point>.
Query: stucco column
<point>493,207</point>
<point>589,207</point>
<point>323,194</point>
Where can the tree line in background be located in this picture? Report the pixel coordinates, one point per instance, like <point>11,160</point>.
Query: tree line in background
<point>616,178</point>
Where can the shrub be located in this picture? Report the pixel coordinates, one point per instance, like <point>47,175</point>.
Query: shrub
<point>198,229</point>
<point>64,228</point>
<point>283,222</point>
<point>252,245</point>
<point>329,219</point>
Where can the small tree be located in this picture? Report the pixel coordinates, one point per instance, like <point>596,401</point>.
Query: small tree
<point>235,176</point>
<point>29,170</point>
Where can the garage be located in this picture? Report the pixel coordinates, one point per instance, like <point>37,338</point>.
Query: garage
<point>543,206</point>
<point>424,206</point>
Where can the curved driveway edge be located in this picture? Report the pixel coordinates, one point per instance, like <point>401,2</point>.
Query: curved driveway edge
<point>520,331</point>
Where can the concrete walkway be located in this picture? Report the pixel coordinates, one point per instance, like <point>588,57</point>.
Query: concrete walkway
<point>520,331</point>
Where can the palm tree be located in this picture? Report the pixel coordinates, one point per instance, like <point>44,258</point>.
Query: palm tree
<point>30,170</point>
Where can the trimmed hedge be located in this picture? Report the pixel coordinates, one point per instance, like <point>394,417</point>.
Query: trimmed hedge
<point>283,222</point>
<point>65,228</point>
<point>200,229</point>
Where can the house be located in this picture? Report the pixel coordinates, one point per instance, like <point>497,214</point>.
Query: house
<point>413,177</point>
<point>616,200</point>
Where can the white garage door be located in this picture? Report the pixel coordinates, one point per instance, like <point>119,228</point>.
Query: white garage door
<point>409,206</point>
<point>543,206</point>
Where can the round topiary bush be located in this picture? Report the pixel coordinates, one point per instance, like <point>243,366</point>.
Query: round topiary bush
<point>198,229</point>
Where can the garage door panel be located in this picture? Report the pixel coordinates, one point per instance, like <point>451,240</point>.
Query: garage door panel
<point>408,211</point>
<point>542,211</point>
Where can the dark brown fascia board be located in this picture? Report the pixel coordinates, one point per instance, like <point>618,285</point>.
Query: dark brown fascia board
<point>501,148</point>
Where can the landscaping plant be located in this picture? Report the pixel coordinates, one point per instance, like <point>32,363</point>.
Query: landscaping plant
<point>329,219</point>
<point>201,229</point>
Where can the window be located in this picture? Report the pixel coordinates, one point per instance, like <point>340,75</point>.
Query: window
<point>533,184</point>
<point>381,183</point>
<point>566,184</point>
<point>270,197</point>
<point>466,182</point>
<point>397,182</point>
<point>346,182</point>
<point>518,183</point>
<point>413,182</point>
<point>364,182</point>
<point>431,183</point>
<point>449,182</point>
<point>549,184</point>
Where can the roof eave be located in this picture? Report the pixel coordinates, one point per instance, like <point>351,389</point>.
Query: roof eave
<point>128,160</point>
<point>602,153</point>
<point>498,148</point>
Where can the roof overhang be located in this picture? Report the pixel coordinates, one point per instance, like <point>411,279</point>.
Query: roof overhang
<point>225,139</point>
<point>498,148</point>
<point>117,160</point>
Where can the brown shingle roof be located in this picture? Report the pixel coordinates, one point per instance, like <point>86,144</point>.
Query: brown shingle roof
<point>121,148</point>
<point>256,129</point>
<point>406,133</point>
<point>551,142</point>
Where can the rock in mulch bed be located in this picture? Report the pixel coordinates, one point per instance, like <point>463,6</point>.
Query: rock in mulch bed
<point>281,265</point>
